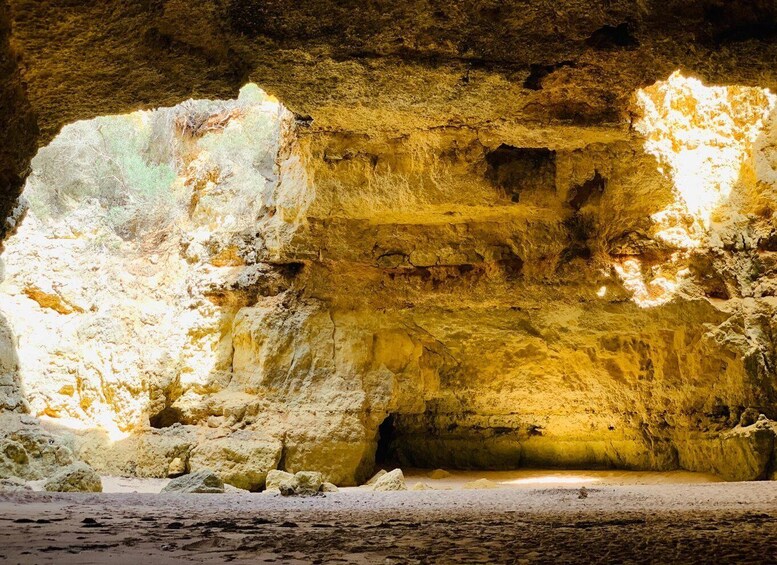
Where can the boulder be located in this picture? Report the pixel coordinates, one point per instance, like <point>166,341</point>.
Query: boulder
<point>740,454</point>
<point>203,481</point>
<point>176,468</point>
<point>308,482</point>
<point>13,485</point>
<point>275,478</point>
<point>395,480</point>
<point>151,454</point>
<point>375,477</point>
<point>28,452</point>
<point>240,459</point>
<point>302,483</point>
<point>421,486</point>
<point>234,490</point>
<point>480,484</point>
<point>78,477</point>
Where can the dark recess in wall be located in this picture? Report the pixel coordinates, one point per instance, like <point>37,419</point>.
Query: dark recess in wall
<point>166,418</point>
<point>516,170</point>
<point>613,37</point>
<point>386,450</point>
<point>537,74</point>
<point>741,20</point>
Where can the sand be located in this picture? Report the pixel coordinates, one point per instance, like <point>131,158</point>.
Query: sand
<point>532,517</point>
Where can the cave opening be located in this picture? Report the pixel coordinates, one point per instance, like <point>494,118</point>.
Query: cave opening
<point>166,418</point>
<point>484,284</point>
<point>386,451</point>
<point>129,254</point>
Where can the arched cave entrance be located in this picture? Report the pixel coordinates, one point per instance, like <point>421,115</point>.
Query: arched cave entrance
<point>385,453</point>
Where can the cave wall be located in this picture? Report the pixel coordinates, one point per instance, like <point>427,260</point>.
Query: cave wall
<point>475,175</point>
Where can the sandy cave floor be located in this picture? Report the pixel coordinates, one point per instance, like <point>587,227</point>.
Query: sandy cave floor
<point>533,517</point>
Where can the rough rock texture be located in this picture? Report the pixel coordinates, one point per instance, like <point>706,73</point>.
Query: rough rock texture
<point>479,484</point>
<point>393,480</point>
<point>13,485</point>
<point>203,481</point>
<point>492,235</point>
<point>276,477</point>
<point>28,452</point>
<point>78,477</point>
<point>301,483</point>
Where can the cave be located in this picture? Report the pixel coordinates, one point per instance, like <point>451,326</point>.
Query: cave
<point>385,275</point>
<point>385,451</point>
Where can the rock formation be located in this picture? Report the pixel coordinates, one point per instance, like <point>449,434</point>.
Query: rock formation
<point>203,481</point>
<point>77,477</point>
<point>474,236</point>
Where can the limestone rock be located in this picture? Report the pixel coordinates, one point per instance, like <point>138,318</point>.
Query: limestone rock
<point>604,231</point>
<point>329,487</point>
<point>240,459</point>
<point>438,474</point>
<point>176,468</point>
<point>376,477</point>
<point>480,484</point>
<point>741,454</point>
<point>149,454</point>
<point>421,486</point>
<point>78,477</point>
<point>13,485</point>
<point>234,490</point>
<point>203,481</point>
<point>302,483</point>
<point>275,477</point>
<point>28,452</point>
<point>308,482</point>
<point>391,481</point>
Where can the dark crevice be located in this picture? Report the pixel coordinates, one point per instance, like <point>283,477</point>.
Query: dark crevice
<point>580,230</point>
<point>613,37</point>
<point>581,194</point>
<point>386,451</point>
<point>741,20</point>
<point>282,460</point>
<point>537,74</point>
<point>517,169</point>
<point>166,418</point>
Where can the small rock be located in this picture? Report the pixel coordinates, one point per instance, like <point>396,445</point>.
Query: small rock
<point>302,483</point>
<point>275,478</point>
<point>480,484</point>
<point>78,477</point>
<point>176,468</point>
<point>438,474</point>
<point>395,480</point>
<point>235,490</point>
<point>421,486</point>
<point>13,485</point>
<point>203,481</point>
<point>288,487</point>
<point>14,451</point>
<point>375,477</point>
<point>308,482</point>
<point>329,487</point>
<point>582,493</point>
